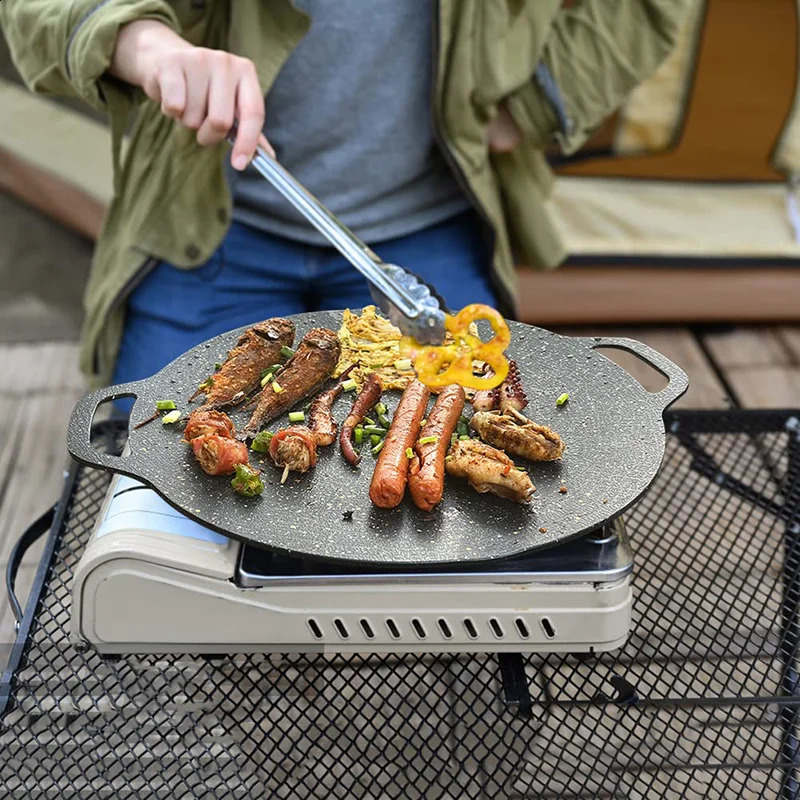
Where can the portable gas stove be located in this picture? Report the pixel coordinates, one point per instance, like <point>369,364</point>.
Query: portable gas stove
<point>152,580</point>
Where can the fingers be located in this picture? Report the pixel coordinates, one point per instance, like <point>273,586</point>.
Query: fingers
<point>250,111</point>
<point>198,79</point>
<point>221,100</point>
<point>171,91</point>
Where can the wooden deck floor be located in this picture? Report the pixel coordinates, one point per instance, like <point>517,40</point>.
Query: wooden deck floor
<point>752,367</point>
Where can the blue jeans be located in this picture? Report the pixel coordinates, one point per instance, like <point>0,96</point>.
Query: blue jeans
<point>255,275</point>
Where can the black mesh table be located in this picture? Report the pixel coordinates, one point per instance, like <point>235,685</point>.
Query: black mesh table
<point>702,701</point>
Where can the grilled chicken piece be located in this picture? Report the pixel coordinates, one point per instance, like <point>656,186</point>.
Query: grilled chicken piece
<point>294,449</point>
<point>488,470</point>
<point>515,433</point>
<point>321,420</point>
<point>202,423</point>
<point>311,365</point>
<point>258,347</point>
<point>218,455</point>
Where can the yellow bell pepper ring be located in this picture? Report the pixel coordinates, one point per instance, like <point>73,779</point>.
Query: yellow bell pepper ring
<point>440,366</point>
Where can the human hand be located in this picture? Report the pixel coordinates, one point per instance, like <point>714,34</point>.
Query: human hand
<point>205,90</point>
<point>503,132</point>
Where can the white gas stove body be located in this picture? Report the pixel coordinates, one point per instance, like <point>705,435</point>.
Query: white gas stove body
<point>153,581</point>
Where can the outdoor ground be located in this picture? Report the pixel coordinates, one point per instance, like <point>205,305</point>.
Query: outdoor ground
<point>42,270</point>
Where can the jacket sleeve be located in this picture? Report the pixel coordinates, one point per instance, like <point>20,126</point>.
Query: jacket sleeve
<point>65,48</point>
<point>594,55</point>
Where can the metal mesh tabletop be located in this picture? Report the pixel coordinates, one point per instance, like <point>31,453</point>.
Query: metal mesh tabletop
<point>701,702</point>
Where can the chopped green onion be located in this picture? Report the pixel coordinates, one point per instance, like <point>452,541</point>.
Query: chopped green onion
<point>453,438</point>
<point>378,447</point>
<point>276,387</point>
<point>247,481</point>
<point>429,439</point>
<point>384,420</point>
<point>463,420</point>
<point>376,429</point>
<point>462,429</point>
<point>349,385</point>
<point>266,379</point>
<point>207,383</point>
<point>217,366</point>
<point>169,419</point>
<point>359,436</point>
<point>463,438</point>
<point>409,453</point>
<point>422,424</point>
<point>275,368</point>
<point>562,399</point>
<point>261,442</point>
<point>403,364</point>
<point>369,421</point>
<point>374,439</point>
<point>287,352</point>
<point>165,405</point>
<point>297,416</point>
<point>380,408</point>
<point>521,469</point>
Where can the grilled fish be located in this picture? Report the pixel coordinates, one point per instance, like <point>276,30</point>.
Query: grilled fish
<point>488,470</point>
<point>311,365</point>
<point>258,348</point>
<point>515,433</point>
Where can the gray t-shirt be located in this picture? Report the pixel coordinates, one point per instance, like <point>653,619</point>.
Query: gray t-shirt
<point>350,116</point>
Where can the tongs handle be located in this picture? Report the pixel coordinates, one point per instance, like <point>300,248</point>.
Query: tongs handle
<point>376,271</point>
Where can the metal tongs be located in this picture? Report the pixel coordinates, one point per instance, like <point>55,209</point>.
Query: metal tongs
<point>411,304</point>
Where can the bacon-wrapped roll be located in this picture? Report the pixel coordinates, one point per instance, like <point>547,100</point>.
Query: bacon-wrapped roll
<point>218,455</point>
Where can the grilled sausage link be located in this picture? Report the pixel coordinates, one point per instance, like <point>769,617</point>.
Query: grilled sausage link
<point>389,479</point>
<point>369,395</point>
<point>426,471</point>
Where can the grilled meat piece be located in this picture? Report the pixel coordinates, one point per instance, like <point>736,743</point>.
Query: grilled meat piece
<point>321,420</point>
<point>369,395</point>
<point>202,423</point>
<point>426,471</point>
<point>258,347</point>
<point>515,433</point>
<point>311,365</point>
<point>488,470</point>
<point>294,449</point>
<point>218,455</point>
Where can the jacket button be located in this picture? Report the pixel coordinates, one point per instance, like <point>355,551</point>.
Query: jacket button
<point>192,252</point>
<point>222,215</point>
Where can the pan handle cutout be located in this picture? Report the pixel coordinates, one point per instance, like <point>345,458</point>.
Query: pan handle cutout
<point>678,381</point>
<point>79,433</point>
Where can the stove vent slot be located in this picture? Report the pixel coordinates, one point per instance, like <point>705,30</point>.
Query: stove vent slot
<point>391,626</point>
<point>547,627</point>
<point>444,628</point>
<point>341,628</point>
<point>469,627</point>
<point>313,626</point>
<point>522,628</point>
<point>419,628</point>
<point>497,628</point>
<point>367,628</point>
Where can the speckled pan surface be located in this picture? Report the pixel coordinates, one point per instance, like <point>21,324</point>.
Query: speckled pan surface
<point>612,426</point>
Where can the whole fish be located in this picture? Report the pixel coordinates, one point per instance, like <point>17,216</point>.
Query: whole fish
<point>311,365</point>
<point>258,348</point>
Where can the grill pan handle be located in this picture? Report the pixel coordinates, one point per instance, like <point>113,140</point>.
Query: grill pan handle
<point>79,436</point>
<point>678,379</point>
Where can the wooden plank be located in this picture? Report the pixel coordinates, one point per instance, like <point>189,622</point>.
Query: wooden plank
<point>766,387</point>
<point>679,345</point>
<point>745,347</point>
<point>790,337</point>
<point>580,295</point>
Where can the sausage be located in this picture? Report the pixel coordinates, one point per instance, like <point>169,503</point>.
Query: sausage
<point>322,423</point>
<point>389,479</point>
<point>426,471</point>
<point>218,455</point>
<point>369,395</point>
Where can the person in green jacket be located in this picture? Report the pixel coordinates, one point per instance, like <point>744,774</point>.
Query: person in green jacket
<point>422,125</point>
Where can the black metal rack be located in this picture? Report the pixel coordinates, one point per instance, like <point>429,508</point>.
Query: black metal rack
<point>701,702</point>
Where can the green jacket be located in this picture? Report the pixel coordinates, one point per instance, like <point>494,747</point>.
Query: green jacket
<point>171,201</point>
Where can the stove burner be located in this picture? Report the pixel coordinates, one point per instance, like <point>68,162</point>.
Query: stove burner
<point>603,555</point>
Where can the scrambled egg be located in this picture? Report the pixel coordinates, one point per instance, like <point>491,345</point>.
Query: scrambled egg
<point>372,344</point>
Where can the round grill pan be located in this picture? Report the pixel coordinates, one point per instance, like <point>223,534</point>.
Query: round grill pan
<point>613,428</point>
